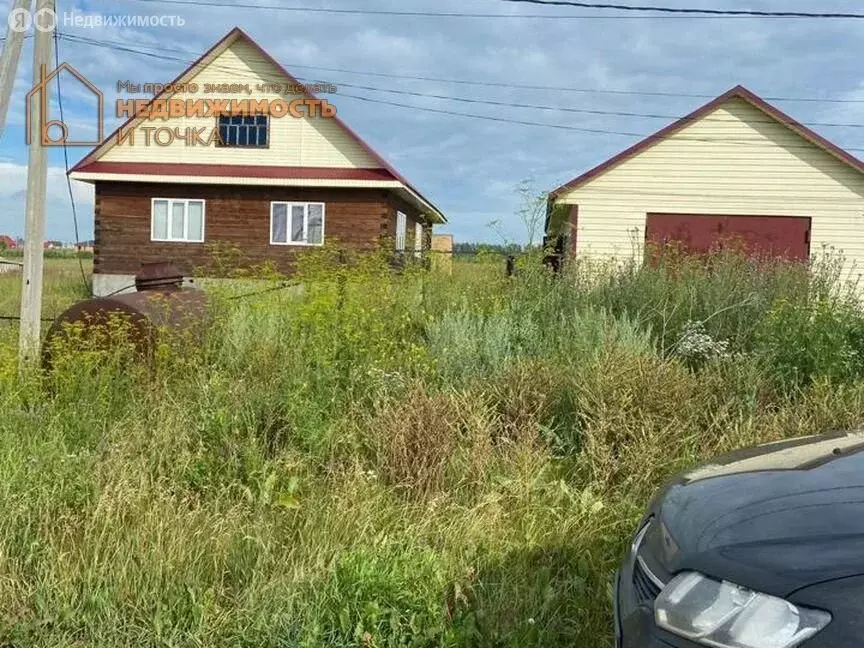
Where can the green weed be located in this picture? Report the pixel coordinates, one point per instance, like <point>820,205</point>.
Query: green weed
<point>375,458</point>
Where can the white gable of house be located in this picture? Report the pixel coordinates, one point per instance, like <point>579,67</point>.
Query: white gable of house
<point>294,142</point>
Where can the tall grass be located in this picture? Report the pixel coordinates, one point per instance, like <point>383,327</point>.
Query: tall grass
<point>412,460</point>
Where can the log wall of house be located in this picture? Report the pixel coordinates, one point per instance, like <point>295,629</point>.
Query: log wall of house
<point>236,225</point>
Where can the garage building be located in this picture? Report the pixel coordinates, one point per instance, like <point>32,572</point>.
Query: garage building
<point>737,168</point>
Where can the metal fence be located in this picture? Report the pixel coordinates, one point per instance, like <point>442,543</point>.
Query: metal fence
<point>10,266</point>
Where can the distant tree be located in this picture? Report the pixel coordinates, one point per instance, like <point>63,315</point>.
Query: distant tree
<point>494,248</point>
<point>531,212</point>
<point>532,209</point>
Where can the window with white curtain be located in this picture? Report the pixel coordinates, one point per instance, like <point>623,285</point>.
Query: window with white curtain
<point>294,223</point>
<point>401,231</point>
<point>177,220</point>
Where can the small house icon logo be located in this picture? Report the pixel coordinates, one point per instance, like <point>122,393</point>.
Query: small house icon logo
<point>40,92</point>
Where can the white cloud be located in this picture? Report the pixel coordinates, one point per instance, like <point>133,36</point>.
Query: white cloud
<point>59,223</point>
<point>849,112</point>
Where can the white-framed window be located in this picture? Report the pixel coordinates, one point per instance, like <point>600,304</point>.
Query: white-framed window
<point>401,230</point>
<point>296,223</point>
<point>177,220</point>
<point>418,240</point>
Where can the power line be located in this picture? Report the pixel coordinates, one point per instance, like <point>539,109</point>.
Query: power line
<point>558,126</point>
<point>118,291</point>
<point>378,12</point>
<point>25,37</point>
<point>163,56</point>
<point>602,131</point>
<point>66,162</point>
<point>582,111</point>
<point>598,131</point>
<point>517,86</point>
<point>505,104</point>
<point>754,13</point>
<point>15,318</point>
<point>665,12</point>
<point>505,120</point>
<point>266,291</point>
<point>486,84</point>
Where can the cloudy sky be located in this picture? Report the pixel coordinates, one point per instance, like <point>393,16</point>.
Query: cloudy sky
<point>583,59</point>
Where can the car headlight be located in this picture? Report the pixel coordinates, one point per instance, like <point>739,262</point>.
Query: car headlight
<point>724,615</point>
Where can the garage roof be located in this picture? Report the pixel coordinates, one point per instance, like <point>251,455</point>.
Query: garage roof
<point>738,92</point>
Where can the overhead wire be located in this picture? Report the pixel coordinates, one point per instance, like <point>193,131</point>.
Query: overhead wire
<point>162,55</point>
<point>703,11</point>
<point>486,84</point>
<point>582,111</point>
<point>643,10</point>
<point>67,166</point>
<point>17,318</point>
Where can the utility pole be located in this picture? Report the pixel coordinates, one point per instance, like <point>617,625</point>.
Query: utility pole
<point>44,23</point>
<point>15,33</point>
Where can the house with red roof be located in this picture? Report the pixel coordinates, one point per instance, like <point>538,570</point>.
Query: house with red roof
<point>737,170</point>
<point>237,153</point>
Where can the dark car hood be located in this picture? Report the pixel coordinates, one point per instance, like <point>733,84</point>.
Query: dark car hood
<point>775,518</point>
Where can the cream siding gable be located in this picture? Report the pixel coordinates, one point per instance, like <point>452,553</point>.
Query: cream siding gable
<point>293,142</point>
<point>736,160</point>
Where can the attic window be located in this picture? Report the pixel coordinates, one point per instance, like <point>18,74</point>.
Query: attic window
<point>248,131</point>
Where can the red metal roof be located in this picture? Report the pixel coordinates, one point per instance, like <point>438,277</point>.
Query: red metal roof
<point>738,92</point>
<point>214,170</point>
<point>229,38</point>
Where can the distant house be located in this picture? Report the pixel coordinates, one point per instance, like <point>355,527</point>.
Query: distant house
<point>271,186</point>
<point>442,252</point>
<point>6,242</point>
<point>738,168</point>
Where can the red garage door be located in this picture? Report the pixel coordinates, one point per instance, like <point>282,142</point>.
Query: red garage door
<point>775,236</point>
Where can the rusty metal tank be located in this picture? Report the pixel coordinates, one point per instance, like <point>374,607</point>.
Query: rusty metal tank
<point>160,306</point>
